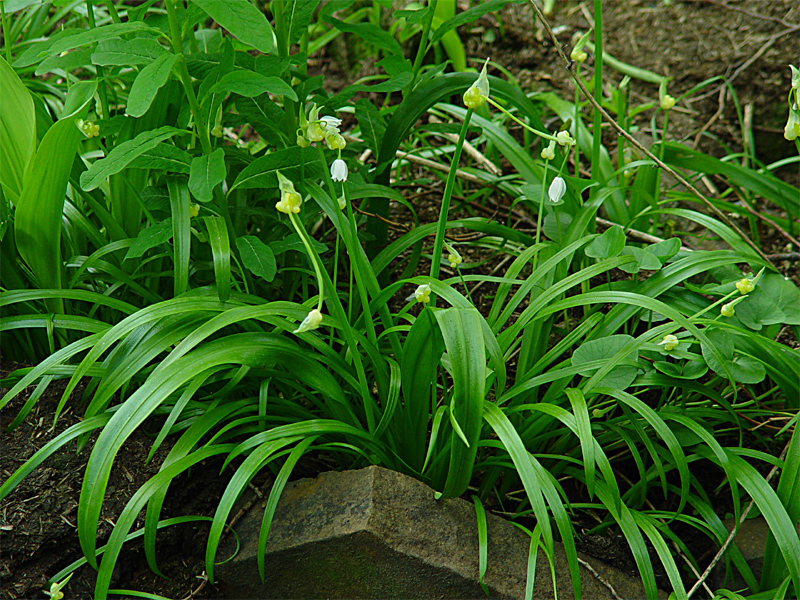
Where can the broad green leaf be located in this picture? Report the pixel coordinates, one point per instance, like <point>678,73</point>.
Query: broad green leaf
<point>243,20</point>
<point>17,131</point>
<point>621,376</point>
<point>369,33</point>
<point>609,244</point>
<point>759,309</point>
<point>72,38</point>
<point>290,161</point>
<point>79,95</point>
<point>250,84</point>
<point>689,369</point>
<point>742,368</point>
<point>164,156</point>
<point>37,222</point>
<point>147,83</point>
<point>294,242</point>
<point>644,260</point>
<point>298,15</point>
<point>121,156</point>
<point>208,171</point>
<point>556,225</point>
<point>371,123</point>
<point>150,237</point>
<point>784,293</point>
<point>221,250</point>
<point>68,62</point>
<point>463,338</point>
<point>665,249</point>
<point>395,64</point>
<point>257,257</point>
<point>118,52</point>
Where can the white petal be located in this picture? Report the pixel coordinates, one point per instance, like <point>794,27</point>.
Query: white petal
<point>557,189</point>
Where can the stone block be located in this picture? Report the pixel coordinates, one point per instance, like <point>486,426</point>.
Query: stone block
<point>375,533</point>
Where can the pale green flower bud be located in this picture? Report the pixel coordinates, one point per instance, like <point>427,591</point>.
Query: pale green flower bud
<point>745,286</point>
<point>478,92</point>
<point>670,342</point>
<point>290,200</point>
<point>549,153</point>
<point>311,322</point>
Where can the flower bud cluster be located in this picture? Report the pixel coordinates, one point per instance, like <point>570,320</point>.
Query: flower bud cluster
<point>316,129</point>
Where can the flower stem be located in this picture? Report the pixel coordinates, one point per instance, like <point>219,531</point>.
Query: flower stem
<point>448,193</point>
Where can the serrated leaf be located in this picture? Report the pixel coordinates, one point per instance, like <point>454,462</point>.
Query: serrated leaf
<point>371,123</point>
<point>369,33</point>
<point>121,156</point>
<point>261,173</point>
<point>607,245</point>
<point>250,84</point>
<point>257,257</point>
<point>243,20</point>
<point>621,376</point>
<point>147,83</point>
<point>118,52</point>
<point>164,156</point>
<point>207,172</point>
<point>150,238</point>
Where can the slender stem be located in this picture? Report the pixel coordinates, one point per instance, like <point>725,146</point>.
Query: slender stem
<point>6,33</point>
<point>542,134</point>
<point>423,46</point>
<point>112,11</point>
<point>100,71</point>
<point>281,35</point>
<point>448,193</point>
<point>598,89</point>
<point>186,79</point>
<point>337,310</point>
<point>312,256</point>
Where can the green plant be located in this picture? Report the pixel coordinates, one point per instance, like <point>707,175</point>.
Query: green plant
<point>257,341</point>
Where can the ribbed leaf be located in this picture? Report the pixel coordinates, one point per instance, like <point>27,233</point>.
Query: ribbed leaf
<point>243,20</point>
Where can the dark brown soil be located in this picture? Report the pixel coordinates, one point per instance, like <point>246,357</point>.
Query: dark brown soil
<point>749,42</point>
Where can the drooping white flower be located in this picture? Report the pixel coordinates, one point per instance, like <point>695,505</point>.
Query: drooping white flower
<point>557,189</point>
<point>478,92</point>
<point>311,322</point>
<point>339,170</point>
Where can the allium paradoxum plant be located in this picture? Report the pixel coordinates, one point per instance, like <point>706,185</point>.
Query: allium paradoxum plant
<point>290,204</point>
<point>316,129</point>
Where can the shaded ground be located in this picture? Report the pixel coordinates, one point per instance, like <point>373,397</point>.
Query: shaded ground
<point>749,42</point>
